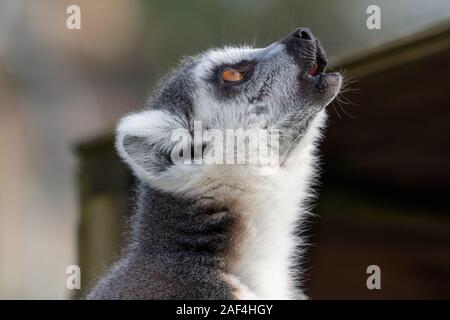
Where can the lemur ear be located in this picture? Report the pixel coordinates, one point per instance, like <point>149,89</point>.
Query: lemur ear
<point>143,141</point>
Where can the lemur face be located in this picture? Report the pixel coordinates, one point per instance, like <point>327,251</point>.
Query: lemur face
<point>246,87</point>
<point>282,86</point>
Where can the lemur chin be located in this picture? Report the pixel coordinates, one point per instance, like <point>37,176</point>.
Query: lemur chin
<point>220,231</point>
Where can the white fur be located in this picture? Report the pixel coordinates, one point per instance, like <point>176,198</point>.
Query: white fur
<point>274,210</point>
<point>271,205</point>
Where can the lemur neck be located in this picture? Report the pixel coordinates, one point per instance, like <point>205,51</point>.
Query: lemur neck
<point>172,225</point>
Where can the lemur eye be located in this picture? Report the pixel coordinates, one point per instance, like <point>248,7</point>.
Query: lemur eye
<point>232,75</point>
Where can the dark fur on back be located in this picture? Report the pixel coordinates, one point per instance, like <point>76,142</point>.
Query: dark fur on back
<point>174,253</point>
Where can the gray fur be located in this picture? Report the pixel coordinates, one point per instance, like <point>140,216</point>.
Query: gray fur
<point>174,252</point>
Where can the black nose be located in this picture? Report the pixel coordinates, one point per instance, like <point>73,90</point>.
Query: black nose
<point>300,42</point>
<point>298,39</point>
<point>306,50</point>
<point>303,33</point>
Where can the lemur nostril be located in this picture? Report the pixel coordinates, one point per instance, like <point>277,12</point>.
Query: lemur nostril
<point>305,34</point>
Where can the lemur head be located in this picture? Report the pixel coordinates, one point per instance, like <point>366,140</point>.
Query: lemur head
<point>282,87</point>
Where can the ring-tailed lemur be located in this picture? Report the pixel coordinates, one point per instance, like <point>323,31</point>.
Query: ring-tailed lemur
<point>219,231</point>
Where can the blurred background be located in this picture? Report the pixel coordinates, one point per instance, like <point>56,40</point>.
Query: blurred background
<point>64,194</point>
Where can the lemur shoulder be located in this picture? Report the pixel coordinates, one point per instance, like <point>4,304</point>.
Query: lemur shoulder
<point>215,231</point>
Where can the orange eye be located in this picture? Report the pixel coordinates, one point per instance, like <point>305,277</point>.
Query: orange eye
<point>232,75</point>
